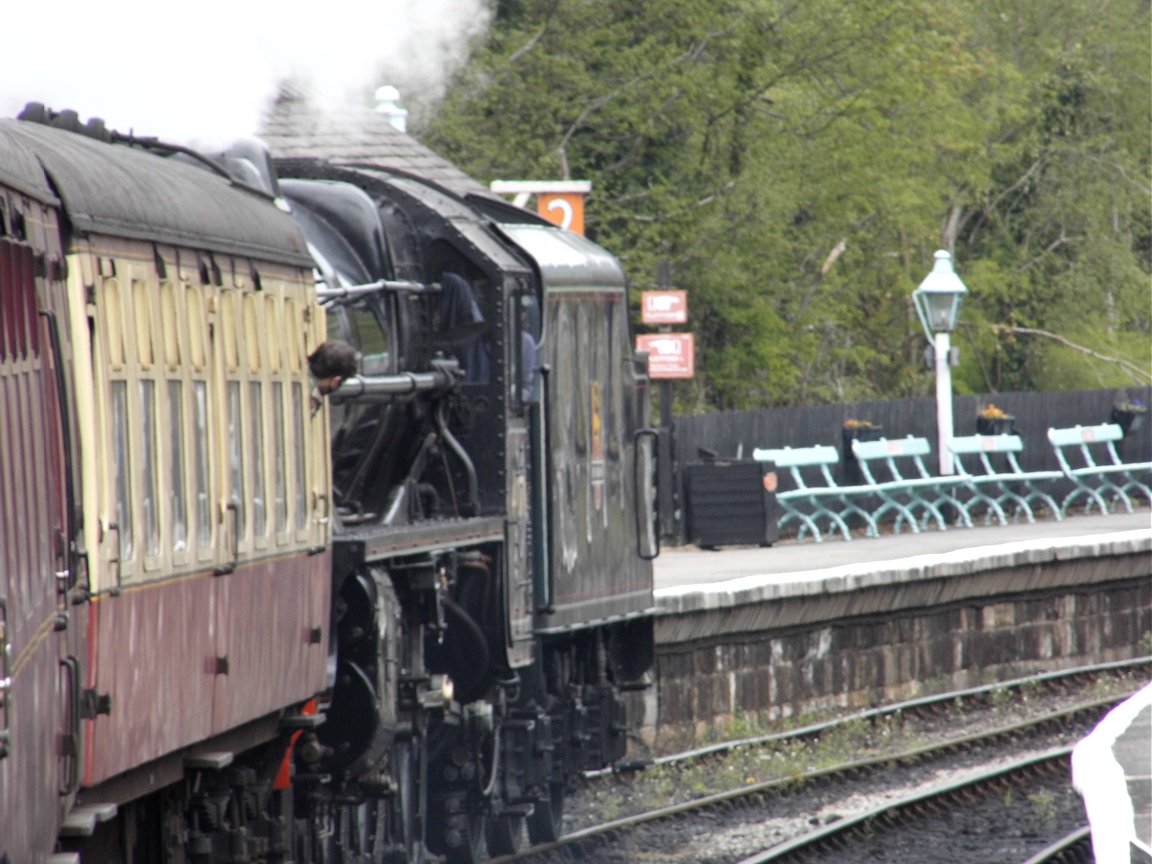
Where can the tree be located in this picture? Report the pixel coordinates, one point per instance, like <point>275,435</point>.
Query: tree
<point>796,164</point>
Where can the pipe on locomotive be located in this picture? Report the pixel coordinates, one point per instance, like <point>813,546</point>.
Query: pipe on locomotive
<point>331,295</point>
<point>372,389</point>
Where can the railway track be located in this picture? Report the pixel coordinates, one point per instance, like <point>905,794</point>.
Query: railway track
<point>899,830</point>
<point>801,788</point>
<point>1074,847</point>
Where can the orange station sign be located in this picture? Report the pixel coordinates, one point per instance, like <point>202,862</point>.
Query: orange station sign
<point>565,209</point>
<point>561,202</point>
<point>670,355</point>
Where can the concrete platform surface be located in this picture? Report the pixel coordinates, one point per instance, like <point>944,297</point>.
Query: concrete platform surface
<point>687,569</point>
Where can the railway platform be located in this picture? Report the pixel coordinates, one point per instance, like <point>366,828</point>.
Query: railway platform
<point>746,629</point>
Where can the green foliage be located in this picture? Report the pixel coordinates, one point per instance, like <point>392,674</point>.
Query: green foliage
<point>796,165</point>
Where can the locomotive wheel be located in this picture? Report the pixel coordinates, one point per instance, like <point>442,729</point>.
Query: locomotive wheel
<point>546,823</point>
<point>505,834</point>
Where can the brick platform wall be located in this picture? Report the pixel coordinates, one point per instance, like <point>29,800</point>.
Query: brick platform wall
<point>836,659</point>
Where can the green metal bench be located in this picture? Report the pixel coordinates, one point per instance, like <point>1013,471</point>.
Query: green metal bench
<point>1000,486</point>
<point>905,485</point>
<point>817,497</point>
<point>1088,457</point>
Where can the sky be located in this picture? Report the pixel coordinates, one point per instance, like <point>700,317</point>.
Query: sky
<point>202,72</point>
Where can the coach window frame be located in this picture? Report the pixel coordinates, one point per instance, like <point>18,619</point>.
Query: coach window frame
<point>173,437</point>
<point>234,514</point>
<point>257,451</point>
<point>201,367</point>
<point>111,343</point>
<point>146,367</point>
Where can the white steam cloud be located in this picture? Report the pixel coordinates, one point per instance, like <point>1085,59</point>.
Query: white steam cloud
<point>204,71</point>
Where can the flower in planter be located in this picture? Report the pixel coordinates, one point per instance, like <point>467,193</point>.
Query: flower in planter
<point>991,412</point>
<point>858,424</point>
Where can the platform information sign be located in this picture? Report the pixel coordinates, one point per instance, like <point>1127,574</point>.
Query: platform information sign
<point>664,307</point>
<point>670,355</point>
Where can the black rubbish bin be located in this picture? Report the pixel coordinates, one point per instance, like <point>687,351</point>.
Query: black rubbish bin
<point>731,503</point>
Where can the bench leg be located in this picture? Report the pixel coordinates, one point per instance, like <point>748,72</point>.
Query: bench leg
<point>1134,485</point>
<point>992,506</point>
<point>904,514</point>
<point>1020,502</point>
<point>1090,496</point>
<point>961,511</point>
<point>834,519</point>
<point>850,509</point>
<point>807,523</point>
<point>930,511</point>
<point>1049,502</point>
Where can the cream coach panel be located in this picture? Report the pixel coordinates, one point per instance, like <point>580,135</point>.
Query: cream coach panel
<point>87,353</point>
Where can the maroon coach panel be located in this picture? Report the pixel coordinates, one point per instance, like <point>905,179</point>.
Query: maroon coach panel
<point>34,662</point>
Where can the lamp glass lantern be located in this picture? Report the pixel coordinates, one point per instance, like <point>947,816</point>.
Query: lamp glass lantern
<point>939,297</point>
<point>938,302</point>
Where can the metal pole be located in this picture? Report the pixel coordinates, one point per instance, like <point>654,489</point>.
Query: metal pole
<point>944,402</point>
<point>666,484</point>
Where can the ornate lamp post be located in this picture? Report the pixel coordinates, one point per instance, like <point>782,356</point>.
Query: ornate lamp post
<point>938,305</point>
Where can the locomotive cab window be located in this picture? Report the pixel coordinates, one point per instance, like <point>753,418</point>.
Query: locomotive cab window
<point>366,325</point>
<point>528,338</point>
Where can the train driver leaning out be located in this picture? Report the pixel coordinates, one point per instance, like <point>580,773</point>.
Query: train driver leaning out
<point>330,364</point>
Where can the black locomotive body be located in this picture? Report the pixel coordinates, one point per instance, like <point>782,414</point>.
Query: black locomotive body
<point>268,649</point>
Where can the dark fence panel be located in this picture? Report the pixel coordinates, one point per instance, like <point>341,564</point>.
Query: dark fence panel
<point>735,434</point>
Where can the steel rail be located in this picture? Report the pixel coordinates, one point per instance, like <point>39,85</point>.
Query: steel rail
<point>891,813</point>
<point>1073,848</point>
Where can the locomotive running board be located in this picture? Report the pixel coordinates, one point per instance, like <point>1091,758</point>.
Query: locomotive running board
<point>382,543</point>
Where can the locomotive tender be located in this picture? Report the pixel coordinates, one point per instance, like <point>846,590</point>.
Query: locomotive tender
<point>237,628</point>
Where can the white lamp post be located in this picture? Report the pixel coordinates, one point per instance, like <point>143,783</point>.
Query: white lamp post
<point>938,306</point>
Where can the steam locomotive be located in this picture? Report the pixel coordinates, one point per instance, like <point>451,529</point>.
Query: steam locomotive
<point>241,624</point>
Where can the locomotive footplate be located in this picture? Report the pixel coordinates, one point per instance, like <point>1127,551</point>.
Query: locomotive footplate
<point>382,543</point>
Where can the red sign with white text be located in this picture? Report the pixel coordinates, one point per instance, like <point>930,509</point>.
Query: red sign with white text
<point>664,307</point>
<point>670,355</point>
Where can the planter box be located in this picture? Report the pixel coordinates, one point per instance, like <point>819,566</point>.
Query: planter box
<point>998,426</point>
<point>850,474</point>
<point>1128,421</point>
<point>863,433</point>
<point>729,504</point>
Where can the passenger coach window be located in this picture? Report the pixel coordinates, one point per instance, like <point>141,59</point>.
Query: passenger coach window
<point>198,356</point>
<point>146,366</point>
<point>178,496</point>
<point>150,492</point>
<point>256,439</point>
<point>279,458</point>
<point>300,444</point>
<point>203,498</point>
<point>236,456</point>
<point>274,354</point>
<point>122,468</point>
<point>174,354</point>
